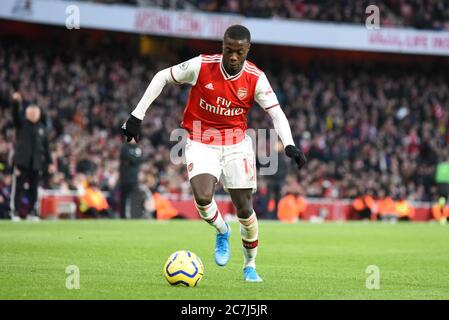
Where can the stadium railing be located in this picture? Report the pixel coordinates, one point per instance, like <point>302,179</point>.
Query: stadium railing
<point>55,204</point>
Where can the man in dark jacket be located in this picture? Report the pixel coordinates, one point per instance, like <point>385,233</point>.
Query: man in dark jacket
<point>130,160</point>
<point>276,181</point>
<point>31,155</point>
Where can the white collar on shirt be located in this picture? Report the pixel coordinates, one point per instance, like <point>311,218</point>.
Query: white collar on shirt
<point>226,75</point>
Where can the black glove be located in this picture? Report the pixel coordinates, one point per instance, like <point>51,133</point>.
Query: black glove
<point>131,128</point>
<point>296,154</point>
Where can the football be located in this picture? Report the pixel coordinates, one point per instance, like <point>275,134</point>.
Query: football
<point>183,268</point>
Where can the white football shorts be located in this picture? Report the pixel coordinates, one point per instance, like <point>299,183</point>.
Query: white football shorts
<point>234,165</point>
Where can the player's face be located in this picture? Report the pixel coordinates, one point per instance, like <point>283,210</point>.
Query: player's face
<point>234,54</point>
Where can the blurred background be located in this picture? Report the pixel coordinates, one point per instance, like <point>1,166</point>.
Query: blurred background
<point>367,97</point>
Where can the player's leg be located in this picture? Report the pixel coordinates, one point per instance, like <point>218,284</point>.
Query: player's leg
<point>249,230</point>
<point>204,170</point>
<point>203,187</point>
<point>239,179</point>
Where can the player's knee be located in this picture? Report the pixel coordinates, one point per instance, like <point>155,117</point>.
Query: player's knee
<point>245,212</point>
<point>204,199</point>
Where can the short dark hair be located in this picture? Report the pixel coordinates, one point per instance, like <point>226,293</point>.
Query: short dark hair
<point>238,32</point>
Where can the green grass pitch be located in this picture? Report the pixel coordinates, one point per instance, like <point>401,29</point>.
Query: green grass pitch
<point>124,260</point>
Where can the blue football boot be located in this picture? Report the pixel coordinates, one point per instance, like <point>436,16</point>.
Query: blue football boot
<point>250,275</point>
<point>222,248</point>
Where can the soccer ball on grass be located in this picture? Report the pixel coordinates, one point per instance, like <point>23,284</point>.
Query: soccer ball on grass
<point>183,268</point>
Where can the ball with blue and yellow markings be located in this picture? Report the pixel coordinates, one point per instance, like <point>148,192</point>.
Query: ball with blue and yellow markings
<point>183,268</point>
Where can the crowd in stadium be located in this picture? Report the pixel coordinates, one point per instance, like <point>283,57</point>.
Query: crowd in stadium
<point>365,129</point>
<point>421,14</point>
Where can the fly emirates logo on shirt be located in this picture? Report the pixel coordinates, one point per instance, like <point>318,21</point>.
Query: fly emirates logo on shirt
<point>222,107</point>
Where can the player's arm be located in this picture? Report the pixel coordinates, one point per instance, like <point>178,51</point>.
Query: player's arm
<point>186,72</point>
<point>267,99</point>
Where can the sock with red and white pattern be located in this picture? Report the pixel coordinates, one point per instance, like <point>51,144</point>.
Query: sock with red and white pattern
<point>212,215</point>
<point>249,230</point>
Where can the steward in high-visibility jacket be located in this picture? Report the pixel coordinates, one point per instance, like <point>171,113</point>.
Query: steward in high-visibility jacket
<point>387,208</point>
<point>404,210</point>
<point>365,207</point>
<point>291,207</point>
<point>440,210</point>
<point>164,208</point>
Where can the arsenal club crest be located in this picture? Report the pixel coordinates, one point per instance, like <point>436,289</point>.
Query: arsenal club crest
<point>242,93</point>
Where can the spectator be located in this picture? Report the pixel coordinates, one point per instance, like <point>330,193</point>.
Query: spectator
<point>4,196</point>
<point>440,210</point>
<point>276,181</point>
<point>387,209</point>
<point>291,207</point>
<point>93,203</point>
<point>164,209</point>
<point>130,160</point>
<point>404,209</point>
<point>365,207</point>
<point>31,156</point>
<point>442,176</point>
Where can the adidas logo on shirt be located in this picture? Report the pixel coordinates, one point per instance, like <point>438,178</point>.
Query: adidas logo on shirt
<point>209,86</point>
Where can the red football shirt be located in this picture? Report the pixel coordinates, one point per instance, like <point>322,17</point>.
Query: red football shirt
<point>218,104</point>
